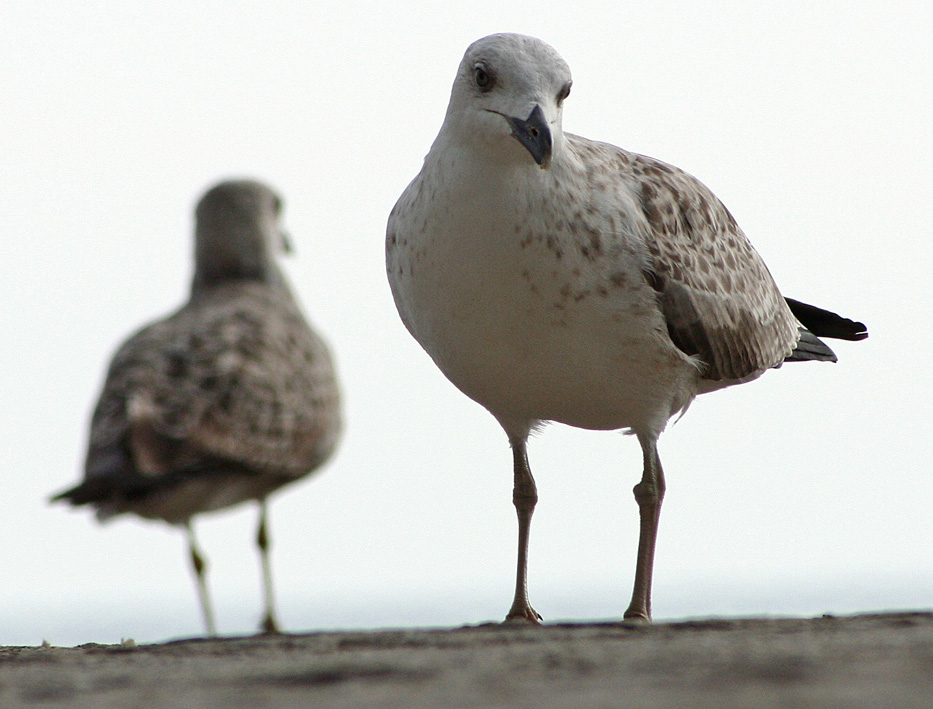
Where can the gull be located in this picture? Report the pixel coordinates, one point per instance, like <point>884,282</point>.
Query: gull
<point>555,278</point>
<point>224,401</point>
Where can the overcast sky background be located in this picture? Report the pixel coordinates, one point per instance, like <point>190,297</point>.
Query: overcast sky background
<point>808,491</point>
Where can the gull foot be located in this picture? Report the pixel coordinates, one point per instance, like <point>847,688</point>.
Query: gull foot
<point>269,626</point>
<point>636,619</point>
<point>523,615</point>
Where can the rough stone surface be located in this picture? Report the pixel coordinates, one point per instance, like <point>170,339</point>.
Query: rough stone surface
<point>859,661</point>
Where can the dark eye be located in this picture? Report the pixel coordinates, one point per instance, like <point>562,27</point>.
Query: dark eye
<point>564,92</point>
<point>483,77</point>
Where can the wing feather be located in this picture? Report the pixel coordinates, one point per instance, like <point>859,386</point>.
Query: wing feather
<point>235,379</point>
<point>718,297</point>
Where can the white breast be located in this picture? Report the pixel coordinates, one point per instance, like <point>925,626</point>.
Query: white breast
<point>535,314</point>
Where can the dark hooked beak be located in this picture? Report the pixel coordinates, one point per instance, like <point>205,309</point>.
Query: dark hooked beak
<point>534,134</point>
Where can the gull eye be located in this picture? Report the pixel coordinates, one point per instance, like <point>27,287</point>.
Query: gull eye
<point>564,92</point>
<point>483,77</point>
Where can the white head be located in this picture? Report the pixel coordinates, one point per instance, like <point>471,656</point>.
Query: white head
<point>508,95</point>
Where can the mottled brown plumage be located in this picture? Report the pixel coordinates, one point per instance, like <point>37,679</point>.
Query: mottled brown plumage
<point>227,399</point>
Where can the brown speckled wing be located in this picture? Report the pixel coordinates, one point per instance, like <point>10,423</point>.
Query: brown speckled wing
<point>235,378</point>
<point>718,298</point>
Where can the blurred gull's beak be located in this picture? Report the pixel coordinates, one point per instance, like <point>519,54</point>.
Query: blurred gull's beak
<point>287,247</point>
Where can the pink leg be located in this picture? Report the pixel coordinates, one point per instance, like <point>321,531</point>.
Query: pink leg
<point>524,497</point>
<point>648,493</point>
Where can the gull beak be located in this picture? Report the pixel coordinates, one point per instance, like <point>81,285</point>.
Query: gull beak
<point>288,248</point>
<point>534,134</point>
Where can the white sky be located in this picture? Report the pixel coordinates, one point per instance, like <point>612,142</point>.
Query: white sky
<point>808,491</point>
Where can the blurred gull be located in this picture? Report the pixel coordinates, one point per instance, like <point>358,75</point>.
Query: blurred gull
<point>228,399</point>
<point>555,278</point>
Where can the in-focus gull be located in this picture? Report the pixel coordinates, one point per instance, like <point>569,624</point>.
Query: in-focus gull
<point>226,400</point>
<point>555,278</point>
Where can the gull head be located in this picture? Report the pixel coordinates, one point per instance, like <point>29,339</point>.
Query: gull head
<point>237,235</point>
<point>507,99</point>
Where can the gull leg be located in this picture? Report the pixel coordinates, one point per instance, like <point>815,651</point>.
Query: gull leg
<point>524,497</point>
<point>269,623</point>
<point>648,494</point>
<point>199,565</point>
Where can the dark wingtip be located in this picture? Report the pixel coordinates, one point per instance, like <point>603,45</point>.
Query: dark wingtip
<point>89,491</point>
<point>860,332</point>
<point>825,323</point>
<point>64,496</point>
<point>811,348</point>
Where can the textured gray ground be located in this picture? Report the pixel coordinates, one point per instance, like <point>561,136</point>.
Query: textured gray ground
<point>881,660</point>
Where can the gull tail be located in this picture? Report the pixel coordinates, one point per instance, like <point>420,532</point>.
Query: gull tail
<point>821,323</point>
